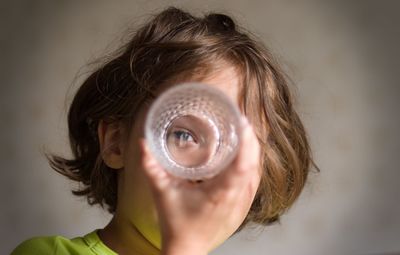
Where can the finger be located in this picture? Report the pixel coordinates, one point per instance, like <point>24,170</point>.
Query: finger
<point>156,175</point>
<point>248,158</point>
<point>246,163</point>
<point>239,182</point>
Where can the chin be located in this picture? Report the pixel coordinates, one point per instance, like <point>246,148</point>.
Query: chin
<point>150,232</point>
<point>154,239</point>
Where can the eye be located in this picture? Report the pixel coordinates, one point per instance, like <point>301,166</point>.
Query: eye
<point>181,138</point>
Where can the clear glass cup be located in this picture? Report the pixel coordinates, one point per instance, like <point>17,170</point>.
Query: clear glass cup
<point>193,130</point>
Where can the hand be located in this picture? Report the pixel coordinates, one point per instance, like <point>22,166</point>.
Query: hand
<point>196,217</point>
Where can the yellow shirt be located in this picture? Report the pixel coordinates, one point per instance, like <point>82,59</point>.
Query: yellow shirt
<point>89,244</point>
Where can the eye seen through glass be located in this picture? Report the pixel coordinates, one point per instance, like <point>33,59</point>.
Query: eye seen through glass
<point>191,141</point>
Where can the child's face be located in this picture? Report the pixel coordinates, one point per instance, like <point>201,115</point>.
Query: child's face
<point>135,203</point>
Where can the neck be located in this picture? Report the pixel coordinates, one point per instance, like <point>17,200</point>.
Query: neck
<point>125,239</point>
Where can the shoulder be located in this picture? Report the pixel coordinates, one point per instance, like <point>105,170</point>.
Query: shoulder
<point>51,245</point>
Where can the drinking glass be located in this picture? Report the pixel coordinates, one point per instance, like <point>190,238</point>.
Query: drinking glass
<point>193,130</point>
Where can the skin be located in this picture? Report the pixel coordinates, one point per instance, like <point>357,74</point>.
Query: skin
<point>160,214</point>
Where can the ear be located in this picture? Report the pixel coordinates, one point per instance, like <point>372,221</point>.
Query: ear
<point>111,143</point>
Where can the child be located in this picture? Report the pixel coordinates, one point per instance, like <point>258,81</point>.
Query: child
<point>154,212</point>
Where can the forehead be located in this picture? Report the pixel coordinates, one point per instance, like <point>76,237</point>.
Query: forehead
<point>226,79</point>
<point>223,77</point>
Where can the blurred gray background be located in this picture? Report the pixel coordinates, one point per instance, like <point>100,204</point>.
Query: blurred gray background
<point>342,56</point>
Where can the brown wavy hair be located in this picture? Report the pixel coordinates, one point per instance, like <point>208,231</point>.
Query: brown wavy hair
<point>171,44</point>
